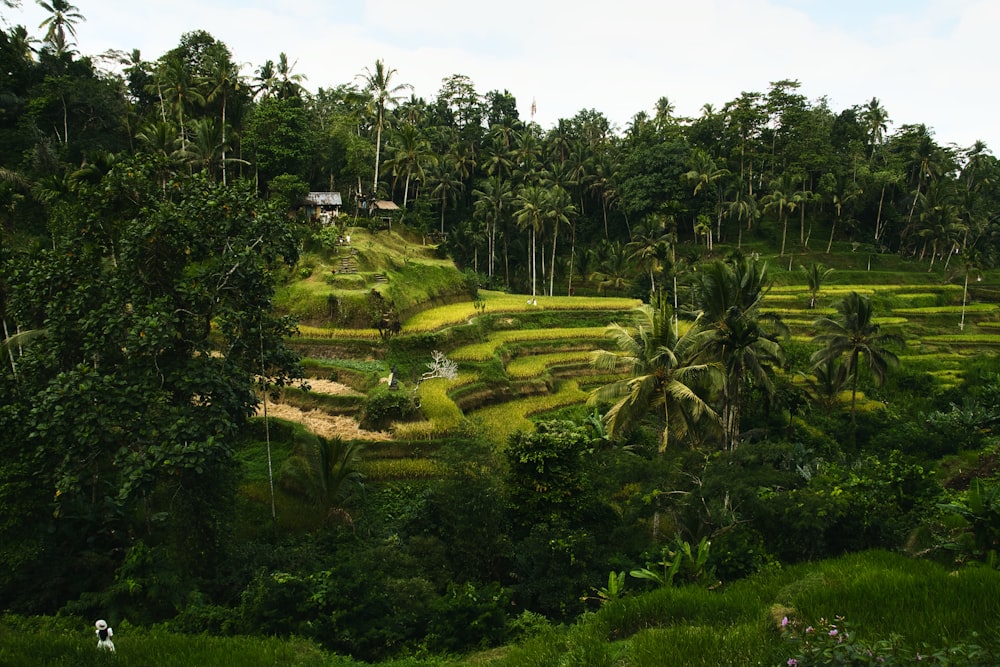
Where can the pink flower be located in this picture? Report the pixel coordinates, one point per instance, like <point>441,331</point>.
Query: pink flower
<point>792,662</point>
<point>784,622</point>
<point>833,633</point>
<point>809,630</point>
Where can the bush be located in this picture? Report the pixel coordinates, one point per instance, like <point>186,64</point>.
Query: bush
<point>385,406</point>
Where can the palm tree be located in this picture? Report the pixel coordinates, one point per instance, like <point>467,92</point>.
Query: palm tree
<point>705,174</point>
<point>614,270</point>
<point>826,383</point>
<point>662,375</point>
<point>856,336</point>
<point>177,88</point>
<point>875,121</point>
<point>815,274</point>
<point>531,212</point>
<point>289,85</point>
<point>650,249</point>
<point>782,198</point>
<point>411,154</point>
<point>63,19</point>
<point>728,297</point>
<point>846,190</point>
<point>378,84</point>
<point>223,80</point>
<point>492,201</point>
<point>561,211</point>
<point>446,188</point>
<point>325,471</point>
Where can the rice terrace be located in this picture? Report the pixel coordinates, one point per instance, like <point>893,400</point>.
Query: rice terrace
<point>354,377</point>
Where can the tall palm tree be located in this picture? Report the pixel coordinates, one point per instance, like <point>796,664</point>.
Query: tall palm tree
<point>561,211</point>
<point>178,89</point>
<point>854,335</point>
<point>492,203</point>
<point>62,19</point>
<point>446,188</point>
<point>728,296</point>
<point>378,83</point>
<point>531,212</point>
<point>224,80</point>
<point>705,174</point>
<point>782,199</point>
<point>663,375</point>
<point>289,83</point>
<point>875,122</point>
<point>411,154</point>
<point>846,191</point>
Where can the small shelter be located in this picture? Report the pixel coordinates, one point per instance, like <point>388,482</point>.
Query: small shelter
<point>323,206</point>
<point>384,210</point>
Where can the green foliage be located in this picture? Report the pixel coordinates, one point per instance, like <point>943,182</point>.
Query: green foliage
<point>384,405</point>
<point>837,642</point>
<point>155,299</point>
<point>680,560</point>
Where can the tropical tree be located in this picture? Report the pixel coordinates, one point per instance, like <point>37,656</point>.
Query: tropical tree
<point>445,187</point>
<point>728,297</point>
<point>815,275</point>
<point>663,375</point>
<point>856,337</point>
<point>492,204</point>
<point>706,175</point>
<point>62,19</point>
<point>378,83</point>
<point>532,210</point>
<point>614,268</point>
<point>411,155</point>
<point>782,199</point>
<point>561,211</point>
<point>875,120</point>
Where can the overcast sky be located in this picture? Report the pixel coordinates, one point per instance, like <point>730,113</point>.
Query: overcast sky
<point>928,61</point>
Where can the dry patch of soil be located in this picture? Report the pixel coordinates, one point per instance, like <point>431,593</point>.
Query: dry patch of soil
<point>323,424</point>
<point>321,386</point>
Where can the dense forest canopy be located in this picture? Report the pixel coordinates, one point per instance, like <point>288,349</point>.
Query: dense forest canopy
<point>150,208</point>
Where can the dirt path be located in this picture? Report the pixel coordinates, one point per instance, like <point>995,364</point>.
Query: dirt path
<point>323,424</point>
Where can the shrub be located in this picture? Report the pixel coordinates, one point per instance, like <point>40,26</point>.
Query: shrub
<point>385,406</point>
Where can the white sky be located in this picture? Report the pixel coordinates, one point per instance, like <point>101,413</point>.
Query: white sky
<point>929,61</point>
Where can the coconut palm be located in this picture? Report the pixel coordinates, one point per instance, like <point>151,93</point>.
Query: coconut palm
<point>815,274</point>
<point>705,174</point>
<point>492,203</point>
<point>614,268</point>
<point>875,121</point>
<point>662,375</point>
<point>62,19</point>
<point>561,211</point>
<point>411,154</point>
<point>325,472</point>
<point>378,84</point>
<point>728,297</point>
<point>531,212</point>
<point>854,335</point>
<point>782,198</point>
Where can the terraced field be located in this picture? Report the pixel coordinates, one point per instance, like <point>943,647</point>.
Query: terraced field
<point>526,359</point>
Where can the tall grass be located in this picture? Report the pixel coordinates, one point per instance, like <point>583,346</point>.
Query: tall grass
<point>880,593</point>
<point>23,644</point>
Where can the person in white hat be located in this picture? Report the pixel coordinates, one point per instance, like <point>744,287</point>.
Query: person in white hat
<point>104,635</point>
